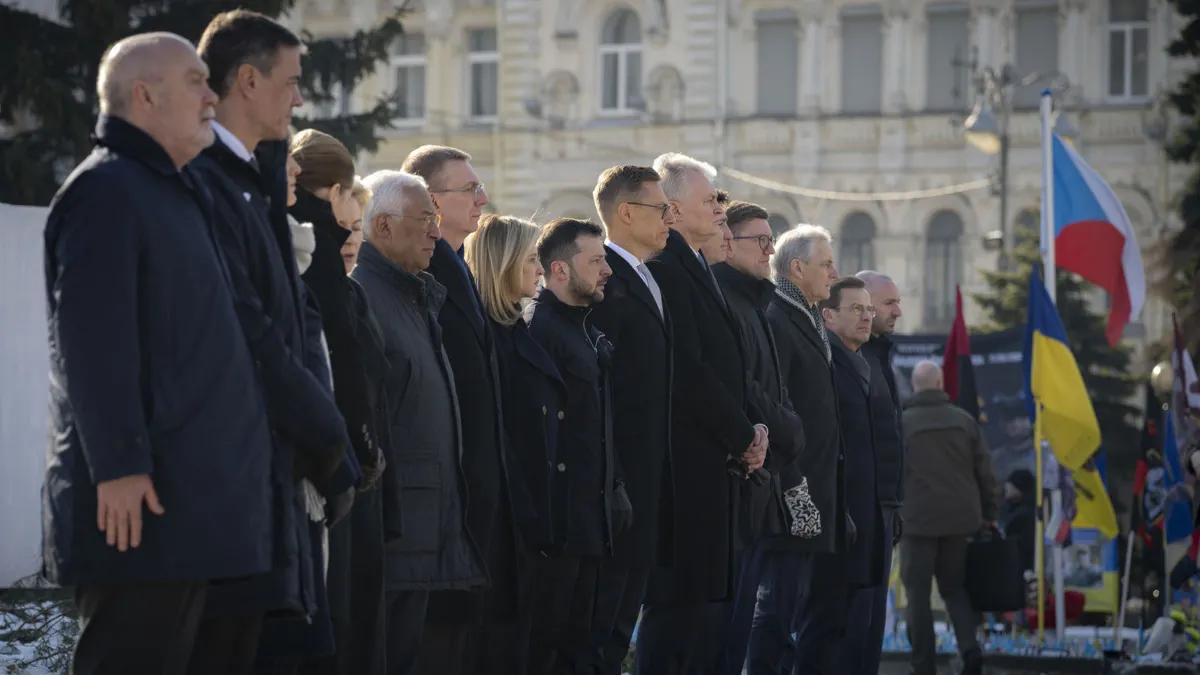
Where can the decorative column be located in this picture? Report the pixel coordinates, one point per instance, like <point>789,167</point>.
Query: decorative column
<point>895,52</point>
<point>986,30</point>
<point>1071,55</point>
<point>811,45</point>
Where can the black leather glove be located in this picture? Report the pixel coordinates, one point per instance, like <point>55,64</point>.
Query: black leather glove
<point>897,527</point>
<point>622,511</point>
<point>372,472</point>
<point>338,507</point>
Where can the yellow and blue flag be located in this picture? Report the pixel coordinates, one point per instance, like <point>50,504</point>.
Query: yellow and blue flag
<point>1060,401</point>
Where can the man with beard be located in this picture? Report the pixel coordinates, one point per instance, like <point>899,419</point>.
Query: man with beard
<point>864,649</point>
<point>633,316</point>
<point>254,67</point>
<point>596,507</point>
<point>684,613</point>
<point>490,615</point>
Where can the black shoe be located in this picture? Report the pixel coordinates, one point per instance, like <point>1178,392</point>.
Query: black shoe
<point>972,662</point>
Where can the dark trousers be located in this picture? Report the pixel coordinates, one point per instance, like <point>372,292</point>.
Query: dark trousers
<point>405,627</point>
<point>227,644</point>
<point>132,629</point>
<point>863,647</point>
<point>619,594</point>
<point>678,638</point>
<point>732,656</point>
<point>498,649</point>
<point>922,559</point>
<point>562,600</point>
<point>797,596</point>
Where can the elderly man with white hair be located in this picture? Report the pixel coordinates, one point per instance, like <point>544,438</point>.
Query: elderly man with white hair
<point>423,497</point>
<point>715,443</point>
<point>158,469</point>
<point>792,596</point>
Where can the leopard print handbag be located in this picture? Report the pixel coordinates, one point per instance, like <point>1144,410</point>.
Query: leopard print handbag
<point>806,519</point>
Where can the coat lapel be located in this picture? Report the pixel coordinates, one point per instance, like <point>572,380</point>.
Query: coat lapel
<point>805,325</point>
<point>448,274</point>
<point>637,286</point>
<point>700,276</point>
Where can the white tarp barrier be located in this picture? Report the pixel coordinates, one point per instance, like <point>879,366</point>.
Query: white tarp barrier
<point>24,390</point>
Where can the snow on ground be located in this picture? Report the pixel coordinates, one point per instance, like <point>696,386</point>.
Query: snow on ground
<point>35,638</point>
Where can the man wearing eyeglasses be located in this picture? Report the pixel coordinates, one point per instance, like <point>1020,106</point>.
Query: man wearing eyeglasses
<point>860,390</point>
<point>491,615</point>
<point>865,649</point>
<point>430,548</point>
<point>744,279</point>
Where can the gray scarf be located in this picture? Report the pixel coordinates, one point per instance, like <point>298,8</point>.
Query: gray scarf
<point>792,294</point>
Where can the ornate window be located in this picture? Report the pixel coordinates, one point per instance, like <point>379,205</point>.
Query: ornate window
<point>483,61</point>
<point>857,248</point>
<point>621,63</point>
<point>408,76</point>
<point>943,266</point>
<point>1128,49</point>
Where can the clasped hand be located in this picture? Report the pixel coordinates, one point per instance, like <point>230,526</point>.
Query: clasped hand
<point>756,455</point>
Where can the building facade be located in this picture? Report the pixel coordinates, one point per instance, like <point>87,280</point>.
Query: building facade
<point>807,99</point>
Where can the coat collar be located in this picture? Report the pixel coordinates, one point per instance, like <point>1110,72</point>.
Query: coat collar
<point>420,288</point>
<point>120,136</point>
<point>447,267</point>
<point>622,269</point>
<point>927,398</point>
<point>548,299</point>
<point>845,357</point>
<point>757,292</point>
<point>310,208</point>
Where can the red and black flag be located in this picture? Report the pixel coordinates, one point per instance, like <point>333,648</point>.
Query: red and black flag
<point>957,368</point>
<point>1149,500</point>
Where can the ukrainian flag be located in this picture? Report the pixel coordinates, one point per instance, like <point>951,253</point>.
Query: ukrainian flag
<point>1065,416</point>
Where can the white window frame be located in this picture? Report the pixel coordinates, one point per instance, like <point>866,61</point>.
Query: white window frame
<point>622,52</point>
<point>481,58</point>
<point>398,61</point>
<point>1128,28</point>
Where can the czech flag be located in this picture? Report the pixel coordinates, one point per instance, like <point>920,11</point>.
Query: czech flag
<point>1065,416</point>
<point>1094,238</point>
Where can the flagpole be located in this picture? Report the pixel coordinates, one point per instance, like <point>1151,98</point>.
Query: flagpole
<point>1048,276</point>
<point>1040,538</point>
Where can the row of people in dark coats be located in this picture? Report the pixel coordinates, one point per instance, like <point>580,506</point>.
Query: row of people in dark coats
<point>303,459</point>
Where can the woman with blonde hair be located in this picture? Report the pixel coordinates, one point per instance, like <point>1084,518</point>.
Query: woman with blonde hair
<point>326,197</point>
<point>503,257</point>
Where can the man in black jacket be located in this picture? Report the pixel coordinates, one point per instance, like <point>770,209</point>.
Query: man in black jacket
<point>684,613</point>
<point>159,461</point>
<point>791,596</point>
<point>744,279</point>
<point>254,67</point>
<point>633,316</point>
<point>460,197</point>
<point>852,577</point>
<point>598,511</point>
<point>870,607</point>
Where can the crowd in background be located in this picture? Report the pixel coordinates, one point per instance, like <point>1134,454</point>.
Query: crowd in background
<point>305,422</point>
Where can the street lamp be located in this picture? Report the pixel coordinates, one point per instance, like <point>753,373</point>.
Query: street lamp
<point>987,128</point>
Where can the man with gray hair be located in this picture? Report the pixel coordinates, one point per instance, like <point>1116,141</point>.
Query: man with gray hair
<point>863,649</point>
<point>158,468</point>
<point>712,434</point>
<point>436,551</point>
<point>791,596</point>
<point>952,494</point>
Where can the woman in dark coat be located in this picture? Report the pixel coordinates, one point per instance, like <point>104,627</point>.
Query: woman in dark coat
<point>503,258</point>
<point>324,210</point>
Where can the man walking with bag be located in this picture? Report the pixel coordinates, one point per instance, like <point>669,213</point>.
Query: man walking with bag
<point>951,489</point>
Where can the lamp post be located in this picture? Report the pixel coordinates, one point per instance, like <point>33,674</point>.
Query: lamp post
<point>987,128</point>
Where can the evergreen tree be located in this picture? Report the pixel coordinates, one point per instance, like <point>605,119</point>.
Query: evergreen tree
<point>1181,254</point>
<point>1105,369</point>
<point>48,93</point>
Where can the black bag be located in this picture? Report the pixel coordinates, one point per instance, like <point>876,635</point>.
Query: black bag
<point>994,579</point>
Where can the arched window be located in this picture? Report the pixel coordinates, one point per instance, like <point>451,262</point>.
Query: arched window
<point>857,244</point>
<point>621,62</point>
<point>943,264</point>
<point>778,223</point>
